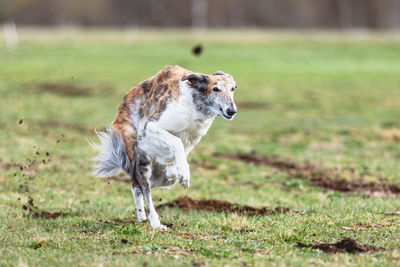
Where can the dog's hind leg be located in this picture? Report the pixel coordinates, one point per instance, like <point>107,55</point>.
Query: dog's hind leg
<point>138,196</point>
<point>143,171</point>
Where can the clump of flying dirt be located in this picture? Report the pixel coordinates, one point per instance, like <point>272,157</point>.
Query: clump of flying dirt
<point>212,205</point>
<point>197,50</point>
<point>36,213</point>
<point>317,175</point>
<point>348,245</point>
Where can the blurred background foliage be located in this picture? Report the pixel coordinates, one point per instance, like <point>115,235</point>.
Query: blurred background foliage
<point>336,14</point>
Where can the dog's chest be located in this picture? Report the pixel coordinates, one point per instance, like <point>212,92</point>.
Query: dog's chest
<point>182,119</point>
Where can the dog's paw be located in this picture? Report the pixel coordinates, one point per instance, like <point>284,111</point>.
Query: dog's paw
<point>185,183</point>
<point>184,174</point>
<point>155,222</point>
<point>161,227</point>
<point>142,218</point>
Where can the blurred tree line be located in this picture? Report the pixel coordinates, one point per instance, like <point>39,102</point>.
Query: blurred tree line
<point>381,14</point>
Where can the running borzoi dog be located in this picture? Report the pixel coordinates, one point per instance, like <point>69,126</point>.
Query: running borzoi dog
<point>158,123</point>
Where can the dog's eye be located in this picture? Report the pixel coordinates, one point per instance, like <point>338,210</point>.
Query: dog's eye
<point>216,89</point>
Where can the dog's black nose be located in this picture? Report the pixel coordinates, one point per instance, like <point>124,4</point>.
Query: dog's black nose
<point>231,111</point>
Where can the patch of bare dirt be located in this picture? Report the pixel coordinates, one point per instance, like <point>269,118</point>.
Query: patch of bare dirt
<point>39,244</point>
<point>191,236</point>
<point>119,179</point>
<point>348,245</point>
<point>167,250</point>
<point>203,164</point>
<point>124,241</point>
<point>390,135</point>
<point>212,205</point>
<point>392,213</point>
<point>250,183</point>
<point>35,212</point>
<point>253,105</point>
<point>6,166</point>
<point>67,125</point>
<point>363,227</point>
<point>118,221</point>
<point>64,88</point>
<point>317,175</point>
<point>72,89</point>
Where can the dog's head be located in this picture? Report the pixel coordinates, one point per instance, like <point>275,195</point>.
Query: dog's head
<point>213,94</point>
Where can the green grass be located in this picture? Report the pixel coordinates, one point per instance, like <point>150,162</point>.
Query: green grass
<point>330,98</point>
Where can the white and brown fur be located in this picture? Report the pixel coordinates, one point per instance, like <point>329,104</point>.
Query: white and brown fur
<point>158,123</point>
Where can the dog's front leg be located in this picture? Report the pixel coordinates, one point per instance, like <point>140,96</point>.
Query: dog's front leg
<point>167,150</point>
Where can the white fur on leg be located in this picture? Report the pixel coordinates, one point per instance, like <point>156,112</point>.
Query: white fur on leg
<point>153,216</point>
<point>183,171</point>
<point>155,221</point>
<point>138,196</point>
<point>168,150</point>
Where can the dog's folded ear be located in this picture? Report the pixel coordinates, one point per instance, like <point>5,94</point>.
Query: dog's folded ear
<point>220,72</point>
<point>198,81</point>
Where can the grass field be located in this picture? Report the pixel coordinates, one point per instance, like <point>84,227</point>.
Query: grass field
<point>327,98</point>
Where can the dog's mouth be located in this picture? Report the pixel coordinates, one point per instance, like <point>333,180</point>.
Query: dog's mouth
<point>226,116</point>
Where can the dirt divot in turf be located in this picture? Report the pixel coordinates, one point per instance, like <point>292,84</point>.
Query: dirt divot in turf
<point>202,164</point>
<point>253,105</point>
<point>72,89</point>
<point>392,213</point>
<point>64,88</point>
<point>67,125</point>
<point>119,179</point>
<point>348,245</point>
<point>317,175</point>
<point>35,212</point>
<point>6,166</point>
<point>212,205</point>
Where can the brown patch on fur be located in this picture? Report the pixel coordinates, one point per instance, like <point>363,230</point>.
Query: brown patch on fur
<point>122,125</point>
<point>212,205</point>
<point>317,175</point>
<point>214,79</point>
<point>149,99</point>
<point>347,244</point>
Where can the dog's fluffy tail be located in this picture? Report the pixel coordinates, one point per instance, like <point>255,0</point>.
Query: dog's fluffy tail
<point>112,158</point>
